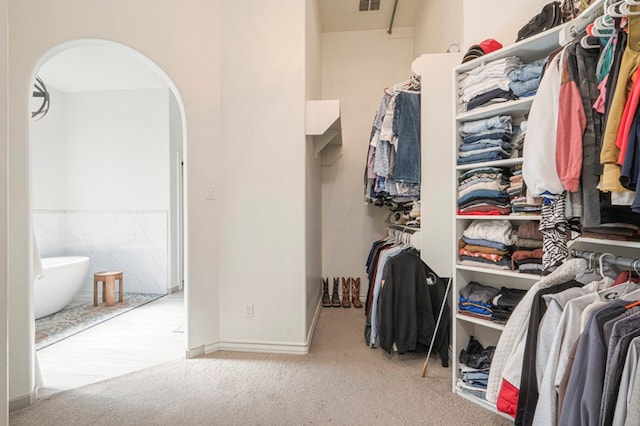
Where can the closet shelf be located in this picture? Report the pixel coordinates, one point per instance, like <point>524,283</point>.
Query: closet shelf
<point>323,123</point>
<point>479,321</point>
<point>603,242</point>
<point>499,163</point>
<point>483,402</point>
<point>503,273</point>
<point>495,217</point>
<point>517,107</point>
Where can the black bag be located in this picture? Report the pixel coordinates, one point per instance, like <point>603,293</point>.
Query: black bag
<point>550,16</point>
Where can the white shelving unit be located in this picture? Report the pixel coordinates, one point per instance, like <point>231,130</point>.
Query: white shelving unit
<point>464,326</point>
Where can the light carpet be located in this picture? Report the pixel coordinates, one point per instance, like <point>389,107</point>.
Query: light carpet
<point>341,381</point>
<point>74,319</point>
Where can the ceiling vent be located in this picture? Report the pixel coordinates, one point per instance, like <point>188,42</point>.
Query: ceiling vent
<point>369,5</point>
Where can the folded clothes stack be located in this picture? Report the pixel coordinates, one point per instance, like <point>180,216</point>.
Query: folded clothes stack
<point>473,376</point>
<point>527,258</point>
<point>525,80</point>
<point>485,140</point>
<point>487,243</point>
<point>485,302</point>
<point>520,203</point>
<point>504,303</point>
<point>487,83</point>
<point>473,381</point>
<point>482,191</point>
<point>475,300</point>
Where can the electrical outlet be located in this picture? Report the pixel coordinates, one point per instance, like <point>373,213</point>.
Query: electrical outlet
<point>210,193</point>
<point>248,310</point>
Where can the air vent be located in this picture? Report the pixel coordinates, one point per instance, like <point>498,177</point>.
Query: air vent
<point>369,5</point>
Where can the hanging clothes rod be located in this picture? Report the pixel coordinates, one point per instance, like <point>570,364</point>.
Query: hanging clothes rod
<point>393,16</point>
<point>402,228</point>
<point>609,258</point>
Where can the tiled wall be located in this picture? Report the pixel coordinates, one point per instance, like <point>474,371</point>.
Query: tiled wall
<point>135,242</point>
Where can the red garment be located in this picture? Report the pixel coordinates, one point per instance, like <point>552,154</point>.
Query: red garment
<point>571,125</point>
<point>488,213</point>
<point>628,114</point>
<point>508,399</point>
<point>624,277</point>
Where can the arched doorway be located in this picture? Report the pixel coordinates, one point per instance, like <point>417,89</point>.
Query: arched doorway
<point>106,172</point>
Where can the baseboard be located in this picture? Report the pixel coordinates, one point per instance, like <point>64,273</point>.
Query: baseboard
<point>195,352</point>
<point>23,401</point>
<point>264,347</point>
<point>312,329</point>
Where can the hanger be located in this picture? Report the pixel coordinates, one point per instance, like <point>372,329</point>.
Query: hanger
<point>614,11</point>
<point>624,8</point>
<point>632,2</point>
<point>584,42</point>
<point>601,266</point>
<point>590,274</point>
<point>602,26</point>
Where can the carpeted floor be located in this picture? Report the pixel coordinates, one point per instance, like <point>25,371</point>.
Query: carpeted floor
<point>341,381</point>
<point>73,320</point>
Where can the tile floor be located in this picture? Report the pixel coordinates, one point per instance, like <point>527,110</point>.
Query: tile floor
<point>146,336</point>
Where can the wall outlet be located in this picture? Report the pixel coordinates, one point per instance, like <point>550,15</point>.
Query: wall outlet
<point>210,193</point>
<point>248,310</point>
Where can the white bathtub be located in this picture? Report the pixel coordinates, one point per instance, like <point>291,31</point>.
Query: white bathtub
<point>62,280</point>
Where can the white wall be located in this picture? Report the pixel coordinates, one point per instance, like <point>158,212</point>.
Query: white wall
<point>49,155</point>
<point>3,216</point>
<point>437,25</point>
<point>105,150</point>
<point>100,178</point>
<point>160,31</point>
<point>262,256</point>
<point>313,178</point>
<point>357,66</point>
<point>480,20</point>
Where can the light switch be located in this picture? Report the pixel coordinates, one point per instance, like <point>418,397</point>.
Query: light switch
<point>210,193</point>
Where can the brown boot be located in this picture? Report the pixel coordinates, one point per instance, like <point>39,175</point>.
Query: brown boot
<point>346,283</point>
<point>355,292</point>
<point>326,299</point>
<point>335,298</point>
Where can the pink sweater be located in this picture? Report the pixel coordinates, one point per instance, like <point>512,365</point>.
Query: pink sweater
<point>571,126</point>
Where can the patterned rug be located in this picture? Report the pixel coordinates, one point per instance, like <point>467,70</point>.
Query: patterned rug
<point>69,321</point>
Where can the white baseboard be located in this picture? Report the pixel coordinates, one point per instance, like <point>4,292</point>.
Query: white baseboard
<point>312,329</point>
<point>264,347</point>
<point>194,352</point>
<point>23,401</point>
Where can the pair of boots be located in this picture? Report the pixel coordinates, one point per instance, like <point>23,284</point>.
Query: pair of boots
<point>334,299</point>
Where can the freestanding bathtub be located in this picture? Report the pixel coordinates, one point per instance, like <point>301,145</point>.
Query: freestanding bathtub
<point>63,278</point>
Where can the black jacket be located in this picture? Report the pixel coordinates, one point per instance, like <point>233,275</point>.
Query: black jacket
<point>410,301</point>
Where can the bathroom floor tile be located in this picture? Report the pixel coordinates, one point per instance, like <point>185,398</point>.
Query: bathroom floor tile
<point>132,341</point>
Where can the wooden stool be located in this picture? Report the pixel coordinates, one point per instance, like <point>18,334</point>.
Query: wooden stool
<point>108,279</point>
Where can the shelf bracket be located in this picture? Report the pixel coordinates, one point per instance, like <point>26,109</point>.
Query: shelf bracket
<point>323,124</point>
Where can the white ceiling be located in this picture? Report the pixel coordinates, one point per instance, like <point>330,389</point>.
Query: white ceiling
<point>343,15</point>
<point>96,68</point>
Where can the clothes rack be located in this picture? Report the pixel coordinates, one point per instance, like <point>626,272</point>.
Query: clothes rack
<point>623,262</point>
